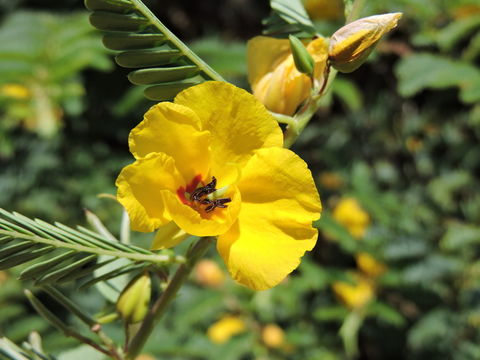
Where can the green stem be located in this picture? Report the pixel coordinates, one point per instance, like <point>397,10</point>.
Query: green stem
<point>145,11</point>
<point>94,250</point>
<point>283,119</point>
<point>159,308</point>
<point>349,332</point>
<point>302,118</point>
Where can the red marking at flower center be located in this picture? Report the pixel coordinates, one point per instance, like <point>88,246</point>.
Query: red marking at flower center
<point>189,189</point>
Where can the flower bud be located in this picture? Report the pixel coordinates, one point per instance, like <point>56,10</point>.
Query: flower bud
<point>302,59</point>
<point>274,78</point>
<point>351,44</point>
<point>133,303</point>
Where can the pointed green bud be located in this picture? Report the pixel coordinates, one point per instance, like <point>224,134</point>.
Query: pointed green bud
<point>133,303</point>
<point>303,60</point>
<point>351,44</point>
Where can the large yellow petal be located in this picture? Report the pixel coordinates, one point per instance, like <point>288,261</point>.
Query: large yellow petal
<point>263,55</point>
<point>274,227</point>
<point>200,223</point>
<point>238,123</point>
<point>176,131</point>
<point>142,187</point>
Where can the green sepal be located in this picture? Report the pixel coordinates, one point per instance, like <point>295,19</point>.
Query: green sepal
<point>303,60</point>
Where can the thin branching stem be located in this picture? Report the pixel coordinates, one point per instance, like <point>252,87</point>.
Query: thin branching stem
<point>161,305</point>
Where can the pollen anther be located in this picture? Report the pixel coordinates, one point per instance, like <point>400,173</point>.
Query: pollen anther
<point>201,195</point>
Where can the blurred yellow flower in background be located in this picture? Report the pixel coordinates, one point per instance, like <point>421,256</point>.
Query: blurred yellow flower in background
<point>324,9</point>
<point>349,214</point>
<point>273,336</point>
<point>228,326</point>
<point>369,265</point>
<point>355,295</point>
<point>209,274</point>
<point>212,164</point>
<point>15,91</point>
<point>272,74</point>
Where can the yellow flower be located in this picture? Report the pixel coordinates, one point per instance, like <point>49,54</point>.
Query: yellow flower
<point>213,163</point>
<point>349,213</point>
<point>273,336</point>
<point>369,265</point>
<point>354,295</point>
<point>350,45</point>
<point>207,273</point>
<point>272,74</point>
<point>324,9</point>
<point>228,326</point>
<point>15,91</point>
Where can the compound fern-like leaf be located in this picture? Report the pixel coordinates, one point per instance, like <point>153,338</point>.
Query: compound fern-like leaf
<point>165,64</point>
<point>60,254</point>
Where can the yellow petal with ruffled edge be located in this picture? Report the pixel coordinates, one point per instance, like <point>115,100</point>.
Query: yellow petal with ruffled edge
<point>176,131</point>
<point>142,187</point>
<point>263,55</point>
<point>201,223</point>
<point>274,227</point>
<point>238,123</point>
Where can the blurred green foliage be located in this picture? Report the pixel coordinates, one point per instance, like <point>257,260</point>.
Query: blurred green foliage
<point>401,135</point>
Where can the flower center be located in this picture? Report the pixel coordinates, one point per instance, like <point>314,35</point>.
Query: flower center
<point>205,197</point>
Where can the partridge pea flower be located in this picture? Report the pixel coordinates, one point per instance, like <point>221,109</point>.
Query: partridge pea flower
<point>272,74</point>
<point>212,164</point>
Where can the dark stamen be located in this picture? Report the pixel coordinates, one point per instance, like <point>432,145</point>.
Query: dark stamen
<point>204,190</point>
<point>201,193</point>
<point>220,203</point>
